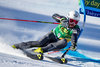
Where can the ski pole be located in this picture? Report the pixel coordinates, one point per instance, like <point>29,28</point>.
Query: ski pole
<point>65,52</point>
<point>53,52</point>
<point>57,51</point>
<point>29,20</point>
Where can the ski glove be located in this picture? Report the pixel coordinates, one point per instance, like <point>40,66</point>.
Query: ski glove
<point>73,47</point>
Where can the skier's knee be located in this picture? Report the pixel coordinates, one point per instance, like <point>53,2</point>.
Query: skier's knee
<point>60,44</point>
<point>64,43</point>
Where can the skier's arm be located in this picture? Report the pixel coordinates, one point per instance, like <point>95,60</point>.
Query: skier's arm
<point>58,17</point>
<point>74,38</point>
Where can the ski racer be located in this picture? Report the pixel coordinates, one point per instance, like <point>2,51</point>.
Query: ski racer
<point>66,31</point>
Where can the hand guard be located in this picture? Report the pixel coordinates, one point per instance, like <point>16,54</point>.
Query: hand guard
<point>64,23</point>
<point>58,17</point>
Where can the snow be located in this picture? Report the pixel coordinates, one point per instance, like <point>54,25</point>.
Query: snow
<point>12,32</point>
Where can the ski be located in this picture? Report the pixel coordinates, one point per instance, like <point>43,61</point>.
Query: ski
<point>32,55</point>
<point>39,56</point>
<point>58,59</point>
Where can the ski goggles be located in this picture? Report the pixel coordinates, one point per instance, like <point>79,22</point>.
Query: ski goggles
<point>72,20</point>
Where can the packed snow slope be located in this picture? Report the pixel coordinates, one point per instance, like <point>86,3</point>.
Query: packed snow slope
<point>12,32</point>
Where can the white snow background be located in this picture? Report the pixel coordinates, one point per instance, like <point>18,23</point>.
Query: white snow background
<point>12,32</point>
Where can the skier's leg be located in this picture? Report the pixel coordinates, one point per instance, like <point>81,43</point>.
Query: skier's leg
<point>45,41</point>
<point>48,38</point>
<point>41,43</point>
<point>55,46</point>
<point>25,45</point>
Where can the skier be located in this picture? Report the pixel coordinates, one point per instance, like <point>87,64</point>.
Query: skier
<point>66,31</point>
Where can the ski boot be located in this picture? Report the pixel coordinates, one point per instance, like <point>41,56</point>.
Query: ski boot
<point>39,53</point>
